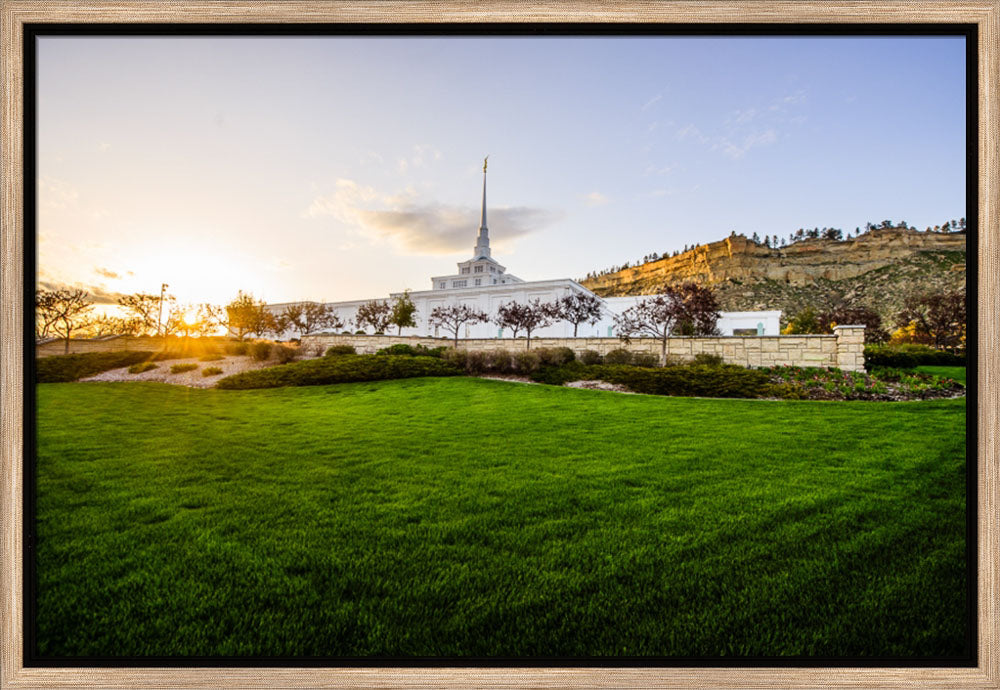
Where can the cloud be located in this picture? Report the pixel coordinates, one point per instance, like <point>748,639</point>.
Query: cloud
<point>651,101</point>
<point>417,227</point>
<point>596,199</point>
<point>106,273</point>
<point>753,140</point>
<point>98,294</point>
<point>55,193</point>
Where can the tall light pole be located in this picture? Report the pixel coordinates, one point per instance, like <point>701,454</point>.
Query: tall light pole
<point>159,318</point>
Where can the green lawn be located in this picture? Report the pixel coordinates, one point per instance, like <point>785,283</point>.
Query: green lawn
<point>454,517</point>
<point>957,373</point>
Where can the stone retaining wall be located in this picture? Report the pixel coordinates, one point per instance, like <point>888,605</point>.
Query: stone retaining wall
<point>844,349</point>
<point>113,344</point>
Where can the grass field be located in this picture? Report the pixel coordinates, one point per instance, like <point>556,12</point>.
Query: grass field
<point>467,517</point>
<point>957,373</point>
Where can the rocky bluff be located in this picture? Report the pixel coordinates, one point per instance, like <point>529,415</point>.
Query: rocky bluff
<point>876,269</point>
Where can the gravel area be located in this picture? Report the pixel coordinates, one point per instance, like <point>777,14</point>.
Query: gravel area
<point>598,386</point>
<point>194,379</point>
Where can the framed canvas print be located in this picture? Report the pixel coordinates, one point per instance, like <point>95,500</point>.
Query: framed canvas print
<point>401,344</point>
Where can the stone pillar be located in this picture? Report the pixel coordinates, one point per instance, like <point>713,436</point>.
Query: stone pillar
<point>850,347</point>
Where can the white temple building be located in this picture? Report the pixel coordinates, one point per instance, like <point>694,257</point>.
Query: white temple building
<point>482,283</point>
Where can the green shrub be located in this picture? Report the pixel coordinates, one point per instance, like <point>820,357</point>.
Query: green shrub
<point>260,351</point>
<point>141,367</point>
<point>499,361</point>
<point>726,381</point>
<point>412,350</point>
<point>591,357</point>
<point>455,357</point>
<point>211,358</point>
<point>211,371</point>
<point>618,356</point>
<point>339,350</point>
<point>555,356</point>
<point>888,356</point>
<point>238,348</point>
<point>526,362</point>
<point>345,369</point>
<point>476,362</point>
<point>558,376</point>
<point>647,359</point>
<point>64,368</point>
<point>180,368</point>
<point>286,353</point>
<point>708,360</point>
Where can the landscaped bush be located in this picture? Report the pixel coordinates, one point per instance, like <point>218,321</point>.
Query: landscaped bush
<point>648,359</point>
<point>526,362</point>
<point>345,369</point>
<point>141,367</point>
<point>555,356</point>
<point>619,356</point>
<point>412,350</point>
<point>237,348</point>
<point>260,351</point>
<point>558,376</point>
<point>181,368</point>
<point>455,357</point>
<point>726,381</point>
<point>881,383</point>
<point>888,356</point>
<point>211,358</point>
<point>339,350</point>
<point>499,361</point>
<point>286,353</point>
<point>591,357</point>
<point>708,360</point>
<point>64,368</point>
<point>211,371</point>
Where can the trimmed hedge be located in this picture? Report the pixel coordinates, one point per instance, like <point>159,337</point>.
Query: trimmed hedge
<point>66,368</point>
<point>411,350</point>
<point>344,369</point>
<point>338,350</point>
<point>709,381</point>
<point>909,356</point>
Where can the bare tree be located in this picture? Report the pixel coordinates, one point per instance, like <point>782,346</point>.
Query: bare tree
<point>578,308</point>
<point>146,309</point>
<point>307,318</point>
<point>454,317</point>
<point>689,307</point>
<point>65,311</point>
<point>527,317</point>
<point>375,314</point>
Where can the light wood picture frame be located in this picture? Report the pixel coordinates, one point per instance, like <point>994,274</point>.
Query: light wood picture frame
<point>985,14</point>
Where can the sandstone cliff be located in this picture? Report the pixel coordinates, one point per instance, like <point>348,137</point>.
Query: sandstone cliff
<point>876,269</point>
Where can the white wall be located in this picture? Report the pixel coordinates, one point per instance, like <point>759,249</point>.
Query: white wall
<point>489,298</point>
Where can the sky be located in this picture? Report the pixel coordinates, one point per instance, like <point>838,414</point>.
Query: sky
<point>336,168</point>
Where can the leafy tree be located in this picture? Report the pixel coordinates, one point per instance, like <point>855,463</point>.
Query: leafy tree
<point>245,315</point>
<point>937,319</point>
<point>452,318</point>
<point>577,308</point>
<point>113,325</point>
<point>804,322</point>
<point>658,316</point>
<point>526,317</point>
<point>375,314</point>
<point>63,311</point>
<point>403,312</point>
<point>844,315</point>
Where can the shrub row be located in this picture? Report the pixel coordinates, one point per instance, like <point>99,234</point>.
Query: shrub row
<point>342,369</point>
<point>909,356</point>
<point>702,380</point>
<point>411,351</point>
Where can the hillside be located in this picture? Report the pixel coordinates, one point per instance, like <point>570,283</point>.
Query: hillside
<point>877,270</point>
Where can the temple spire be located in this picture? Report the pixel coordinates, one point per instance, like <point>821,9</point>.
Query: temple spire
<point>483,241</point>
